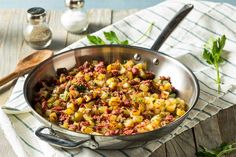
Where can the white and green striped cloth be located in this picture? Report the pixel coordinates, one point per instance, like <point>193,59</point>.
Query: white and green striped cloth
<point>206,20</point>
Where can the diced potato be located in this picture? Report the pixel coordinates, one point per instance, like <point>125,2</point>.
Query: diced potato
<point>102,109</point>
<point>87,77</point>
<point>170,107</point>
<point>87,98</point>
<point>87,130</point>
<point>87,117</point>
<point>62,79</point>
<point>149,127</point>
<point>142,74</point>
<point>65,125</point>
<point>101,77</point>
<point>144,87</point>
<point>89,105</point>
<point>135,113</point>
<point>114,101</point>
<point>141,107</point>
<point>126,85</point>
<point>129,122</point>
<point>78,116</point>
<point>138,119</point>
<point>167,86</point>
<point>156,96</point>
<point>113,118</point>
<point>122,70</point>
<point>48,112</point>
<point>109,67</point>
<point>71,106</point>
<point>139,66</point>
<point>156,118</point>
<point>79,74</point>
<point>53,117</point>
<point>69,111</point>
<point>165,94</point>
<point>120,126</point>
<point>156,123</point>
<point>129,64</point>
<point>104,95</point>
<point>112,85</point>
<point>180,112</point>
<point>99,83</point>
<point>51,100</point>
<point>79,100</point>
<point>130,75</point>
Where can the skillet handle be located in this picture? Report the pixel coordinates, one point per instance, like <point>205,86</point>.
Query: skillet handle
<point>180,15</point>
<point>55,140</point>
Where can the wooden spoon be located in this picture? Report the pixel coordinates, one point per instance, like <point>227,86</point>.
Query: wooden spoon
<point>26,64</point>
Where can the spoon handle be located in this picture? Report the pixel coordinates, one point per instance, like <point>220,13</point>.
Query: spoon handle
<point>8,78</point>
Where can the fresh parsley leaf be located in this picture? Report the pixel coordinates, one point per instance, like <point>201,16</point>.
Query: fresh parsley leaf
<point>112,37</point>
<point>95,40</point>
<point>217,152</point>
<point>80,88</point>
<point>212,54</point>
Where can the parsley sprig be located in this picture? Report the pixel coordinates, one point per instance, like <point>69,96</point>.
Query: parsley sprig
<point>113,38</point>
<point>110,36</point>
<point>217,152</point>
<point>212,54</point>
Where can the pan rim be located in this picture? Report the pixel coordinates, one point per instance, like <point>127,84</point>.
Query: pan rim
<point>78,134</point>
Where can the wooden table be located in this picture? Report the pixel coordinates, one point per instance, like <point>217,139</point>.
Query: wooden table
<point>209,133</point>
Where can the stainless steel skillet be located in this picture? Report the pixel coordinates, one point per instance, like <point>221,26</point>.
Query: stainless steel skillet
<point>182,79</point>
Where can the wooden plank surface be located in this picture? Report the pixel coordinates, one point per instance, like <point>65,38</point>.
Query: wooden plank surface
<point>209,133</point>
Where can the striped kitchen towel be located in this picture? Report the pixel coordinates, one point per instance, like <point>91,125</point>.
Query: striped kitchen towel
<point>206,20</point>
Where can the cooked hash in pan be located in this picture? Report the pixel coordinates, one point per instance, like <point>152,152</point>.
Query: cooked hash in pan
<point>115,99</point>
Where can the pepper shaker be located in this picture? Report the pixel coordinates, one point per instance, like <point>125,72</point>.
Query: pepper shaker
<point>74,19</point>
<point>37,33</point>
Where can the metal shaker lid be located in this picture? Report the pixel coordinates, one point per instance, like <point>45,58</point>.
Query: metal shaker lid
<point>74,3</point>
<point>36,13</point>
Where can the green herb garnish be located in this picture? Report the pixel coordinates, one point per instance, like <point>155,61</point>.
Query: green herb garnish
<point>65,95</point>
<point>110,36</point>
<point>212,54</point>
<point>113,38</point>
<point>80,88</point>
<point>217,152</point>
<point>95,40</point>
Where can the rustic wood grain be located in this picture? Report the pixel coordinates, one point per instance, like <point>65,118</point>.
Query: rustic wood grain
<point>98,19</point>
<point>227,126</point>
<point>181,146</point>
<point>160,152</point>
<point>207,133</point>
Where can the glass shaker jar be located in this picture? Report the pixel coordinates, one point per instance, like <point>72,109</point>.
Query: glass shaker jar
<point>75,19</point>
<point>37,34</point>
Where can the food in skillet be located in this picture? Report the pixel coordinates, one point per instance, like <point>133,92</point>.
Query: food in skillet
<point>117,99</point>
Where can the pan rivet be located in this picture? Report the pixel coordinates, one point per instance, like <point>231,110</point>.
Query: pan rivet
<point>137,57</point>
<point>155,61</point>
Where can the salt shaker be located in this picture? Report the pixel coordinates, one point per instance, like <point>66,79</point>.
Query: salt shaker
<point>37,33</point>
<point>75,19</point>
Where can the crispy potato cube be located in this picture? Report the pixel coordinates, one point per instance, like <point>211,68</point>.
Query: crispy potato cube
<point>87,77</point>
<point>69,111</point>
<point>114,101</point>
<point>180,112</point>
<point>53,117</point>
<point>171,108</point>
<point>78,116</point>
<point>79,100</point>
<point>144,87</point>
